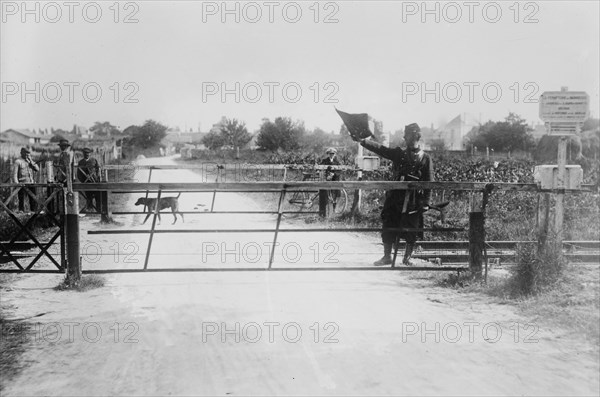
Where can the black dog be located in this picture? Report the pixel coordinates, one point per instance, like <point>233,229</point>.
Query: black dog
<point>165,202</point>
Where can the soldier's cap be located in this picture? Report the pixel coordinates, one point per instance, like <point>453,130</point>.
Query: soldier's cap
<point>64,142</point>
<point>25,150</point>
<point>87,150</point>
<point>331,150</point>
<point>414,127</point>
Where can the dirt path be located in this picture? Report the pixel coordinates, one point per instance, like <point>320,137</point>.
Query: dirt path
<point>325,333</point>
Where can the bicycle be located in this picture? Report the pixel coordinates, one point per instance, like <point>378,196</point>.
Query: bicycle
<point>307,199</point>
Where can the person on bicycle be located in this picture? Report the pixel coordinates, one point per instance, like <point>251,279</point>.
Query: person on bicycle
<point>403,208</point>
<point>330,173</point>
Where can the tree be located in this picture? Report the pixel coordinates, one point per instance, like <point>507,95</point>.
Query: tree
<point>508,135</point>
<point>231,133</point>
<point>104,129</point>
<point>591,124</point>
<point>57,137</point>
<point>213,140</point>
<point>397,138</point>
<point>280,134</point>
<point>235,134</point>
<point>148,135</point>
<point>318,140</point>
<point>438,144</point>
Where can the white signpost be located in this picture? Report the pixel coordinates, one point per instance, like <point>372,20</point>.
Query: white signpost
<point>563,109</point>
<point>563,112</point>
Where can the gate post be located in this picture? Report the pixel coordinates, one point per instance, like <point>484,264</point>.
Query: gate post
<point>323,202</point>
<point>105,213</point>
<point>72,226</point>
<point>476,242</point>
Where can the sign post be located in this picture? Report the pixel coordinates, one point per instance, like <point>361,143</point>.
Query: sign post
<point>563,112</point>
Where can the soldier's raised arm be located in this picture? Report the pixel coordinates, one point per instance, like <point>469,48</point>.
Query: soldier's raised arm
<point>378,148</point>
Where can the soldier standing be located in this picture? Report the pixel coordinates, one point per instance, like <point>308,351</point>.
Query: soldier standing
<point>65,162</point>
<point>88,171</point>
<point>23,173</point>
<point>404,208</point>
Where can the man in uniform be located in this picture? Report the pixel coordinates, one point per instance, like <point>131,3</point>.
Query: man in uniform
<point>403,208</point>
<point>23,173</point>
<point>331,174</point>
<point>88,171</point>
<point>65,162</point>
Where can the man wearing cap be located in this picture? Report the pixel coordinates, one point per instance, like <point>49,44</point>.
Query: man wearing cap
<point>23,173</point>
<point>331,174</point>
<point>404,208</point>
<point>65,161</point>
<point>88,171</point>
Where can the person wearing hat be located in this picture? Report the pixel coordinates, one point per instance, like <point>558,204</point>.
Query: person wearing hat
<point>403,208</point>
<point>23,173</point>
<point>331,174</point>
<point>88,171</point>
<point>65,161</point>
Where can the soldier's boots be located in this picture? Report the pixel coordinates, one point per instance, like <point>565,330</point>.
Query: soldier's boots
<point>385,260</point>
<point>387,256</point>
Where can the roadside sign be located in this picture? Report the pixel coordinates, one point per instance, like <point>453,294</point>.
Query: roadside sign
<point>564,106</point>
<point>562,128</point>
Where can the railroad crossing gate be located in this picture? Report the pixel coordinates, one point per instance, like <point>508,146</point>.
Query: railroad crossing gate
<point>20,251</point>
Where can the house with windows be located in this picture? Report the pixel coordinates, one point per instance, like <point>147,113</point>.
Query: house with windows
<point>23,137</point>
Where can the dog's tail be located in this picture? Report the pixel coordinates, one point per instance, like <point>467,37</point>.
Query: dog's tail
<point>179,195</point>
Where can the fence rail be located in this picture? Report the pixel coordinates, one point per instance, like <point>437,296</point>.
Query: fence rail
<point>293,186</point>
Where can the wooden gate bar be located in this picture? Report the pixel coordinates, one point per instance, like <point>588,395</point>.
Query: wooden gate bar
<point>220,212</point>
<point>313,185</point>
<point>280,269</point>
<point>25,228</point>
<point>149,178</point>
<point>156,210</point>
<point>281,198</point>
<point>369,229</point>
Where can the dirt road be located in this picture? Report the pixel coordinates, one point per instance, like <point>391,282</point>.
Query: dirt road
<point>240,333</point>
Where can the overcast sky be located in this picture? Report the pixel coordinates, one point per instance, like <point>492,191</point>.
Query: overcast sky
<point>373,56</point>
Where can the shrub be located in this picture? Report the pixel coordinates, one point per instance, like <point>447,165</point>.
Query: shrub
<point>537,269</point>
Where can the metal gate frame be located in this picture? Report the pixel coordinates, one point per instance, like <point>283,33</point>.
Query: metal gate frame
<point>283,188</point>
<point>54,213</point>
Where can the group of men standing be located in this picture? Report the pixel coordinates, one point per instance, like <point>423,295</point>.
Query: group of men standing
<point>88,171</point>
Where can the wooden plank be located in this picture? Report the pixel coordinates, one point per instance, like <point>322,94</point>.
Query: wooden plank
<point>293,186</point>
<point>213,166</point>
<point>146,231</point>
<point>280,269</point>
<point>21,245</point>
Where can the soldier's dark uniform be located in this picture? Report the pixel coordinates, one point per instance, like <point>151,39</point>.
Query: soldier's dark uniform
<point>88,172</point>
<point>403,208</point>
<point>407,165</point>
